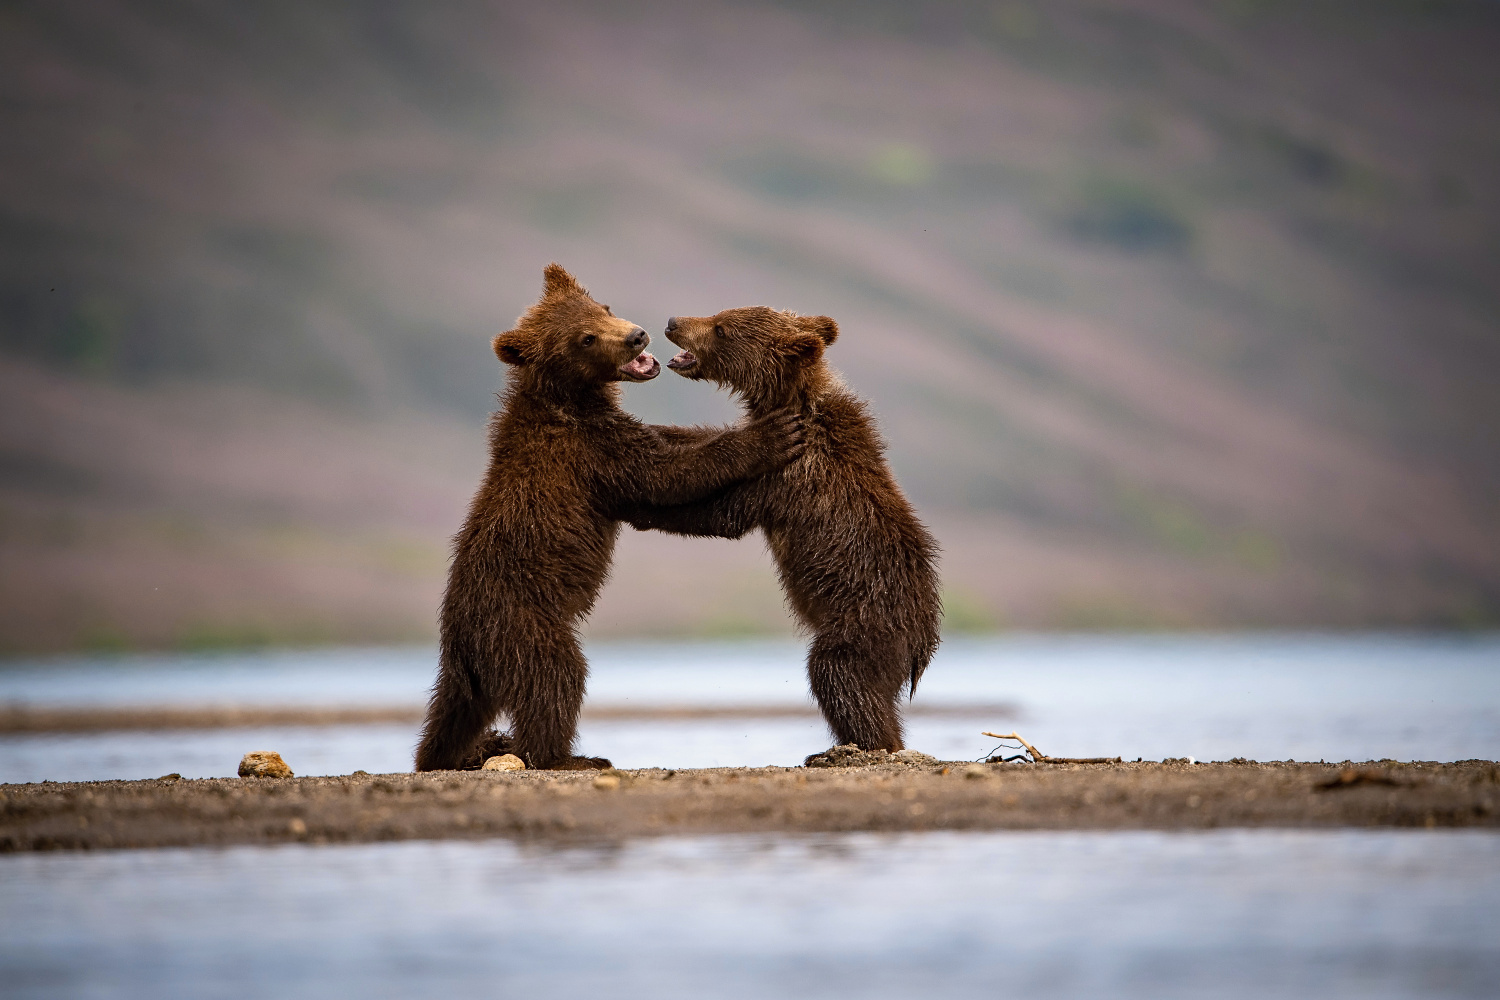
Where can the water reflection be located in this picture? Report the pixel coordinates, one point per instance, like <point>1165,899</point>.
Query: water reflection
<point>1227,914</point>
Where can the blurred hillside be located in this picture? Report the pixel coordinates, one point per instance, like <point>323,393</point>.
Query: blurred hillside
<point>1175,314</point>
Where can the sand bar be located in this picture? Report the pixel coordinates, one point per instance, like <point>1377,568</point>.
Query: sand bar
<point>577,806</point>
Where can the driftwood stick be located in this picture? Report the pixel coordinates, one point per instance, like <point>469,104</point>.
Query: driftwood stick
<point>1038,757</point>
<point>1035,753</point>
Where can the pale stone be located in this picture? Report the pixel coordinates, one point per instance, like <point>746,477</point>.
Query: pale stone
<point>607,782</point>
<point>504,762</point>
<point>264,764</point>
<point>976,772</point>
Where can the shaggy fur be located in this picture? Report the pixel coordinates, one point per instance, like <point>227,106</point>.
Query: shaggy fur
<point>859,569</point>
<point>565,461</point>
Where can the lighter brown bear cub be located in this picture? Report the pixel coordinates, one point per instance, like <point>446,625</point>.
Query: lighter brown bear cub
<point>858,568</point>
<point>565,461</point>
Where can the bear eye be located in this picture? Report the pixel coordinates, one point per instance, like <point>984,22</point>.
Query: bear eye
<point>588,340</point>
<point>718,329</point>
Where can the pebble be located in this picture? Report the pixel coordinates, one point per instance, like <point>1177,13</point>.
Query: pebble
<point>607,782</point>
<point>504,762</point>
<point>264,764</point>
<point>975,772</point>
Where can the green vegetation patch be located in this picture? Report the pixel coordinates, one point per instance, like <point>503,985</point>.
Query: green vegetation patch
<point>1127,215</point>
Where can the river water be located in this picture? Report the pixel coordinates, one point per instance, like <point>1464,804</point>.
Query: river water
<point>1264,697</point>
<point>1253,914</point>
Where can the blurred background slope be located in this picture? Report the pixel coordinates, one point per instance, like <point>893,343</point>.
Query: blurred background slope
<point>1174,314</point>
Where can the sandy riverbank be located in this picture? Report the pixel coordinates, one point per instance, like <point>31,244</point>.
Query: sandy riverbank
<point>577,806</point>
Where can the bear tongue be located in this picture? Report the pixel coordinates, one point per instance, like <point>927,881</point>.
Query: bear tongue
<point>641,367</point>
<point>683,359</point>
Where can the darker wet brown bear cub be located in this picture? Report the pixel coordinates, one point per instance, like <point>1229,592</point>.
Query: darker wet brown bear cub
<point>565,461</point>
<point>858,568</point>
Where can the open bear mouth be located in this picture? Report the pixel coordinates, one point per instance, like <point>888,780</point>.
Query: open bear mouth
<point>643,369</point>
<point>682,361</point>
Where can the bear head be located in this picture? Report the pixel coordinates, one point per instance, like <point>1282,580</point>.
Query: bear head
<point>569,337</point>
<point>758,352</point>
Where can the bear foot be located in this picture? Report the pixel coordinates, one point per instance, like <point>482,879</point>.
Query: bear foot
<point>496,744</point>
<point>492,744</point>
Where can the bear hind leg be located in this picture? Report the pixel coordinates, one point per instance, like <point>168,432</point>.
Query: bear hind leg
<point>459,712</point>
<point>545,707</point>
<point>857,681</point>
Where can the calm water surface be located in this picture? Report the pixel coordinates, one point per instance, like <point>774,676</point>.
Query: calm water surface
<point>1265,697</point>
<point>1150,915</point>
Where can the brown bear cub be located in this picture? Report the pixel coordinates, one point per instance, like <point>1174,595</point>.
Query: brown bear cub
<point>858,568</point>
<point>565,461</point>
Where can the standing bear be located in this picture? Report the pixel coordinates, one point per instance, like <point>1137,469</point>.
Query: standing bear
<point>858,568</point>
<point>565,461</point>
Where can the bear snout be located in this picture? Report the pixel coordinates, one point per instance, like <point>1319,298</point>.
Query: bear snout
<point>637,340</point>
<point>671,324</point>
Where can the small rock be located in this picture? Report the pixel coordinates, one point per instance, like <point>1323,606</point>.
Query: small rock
<point>174,776</point>
<point>296,826</point>
<point>914,757</point>
<point>504,762</point>
<point>975,772</point>
<point>264,764</point>
<point>359,772</point>
<point>607,782</point>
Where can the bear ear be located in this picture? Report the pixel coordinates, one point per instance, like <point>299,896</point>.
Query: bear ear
<point>558,281</point>
<point>824,326</point>
<point>807,347</point>
<point>511,347</point>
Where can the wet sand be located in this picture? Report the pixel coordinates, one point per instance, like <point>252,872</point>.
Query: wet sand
<point>610,805</point>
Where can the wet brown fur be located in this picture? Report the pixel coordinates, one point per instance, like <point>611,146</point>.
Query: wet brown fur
<point>858,568</point>
<point>565,460</point>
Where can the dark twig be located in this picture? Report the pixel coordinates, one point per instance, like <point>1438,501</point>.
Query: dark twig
<point>1040,758</point>
<point>994,756</point>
